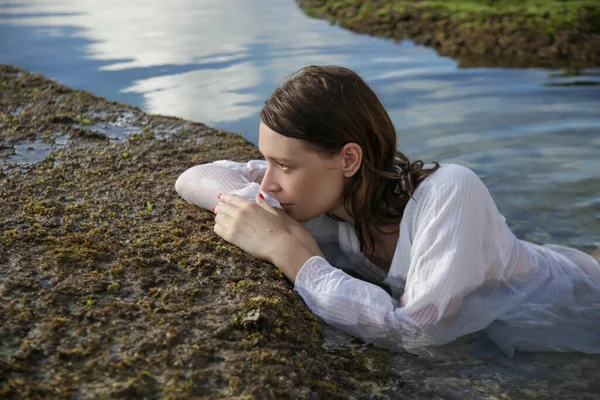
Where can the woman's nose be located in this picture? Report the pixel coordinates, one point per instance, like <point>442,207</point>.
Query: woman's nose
<point>269,183</point>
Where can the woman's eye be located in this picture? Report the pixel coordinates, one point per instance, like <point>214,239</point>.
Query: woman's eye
<point>283,166</point>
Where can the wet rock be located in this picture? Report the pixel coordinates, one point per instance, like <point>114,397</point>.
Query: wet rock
<point>62,118</point>
<point>83,133</point>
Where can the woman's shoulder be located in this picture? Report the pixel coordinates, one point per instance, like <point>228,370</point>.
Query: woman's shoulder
<point>449,184</point>
<point>450,171</point>
<point>450,176</point>
<point>446,191</point>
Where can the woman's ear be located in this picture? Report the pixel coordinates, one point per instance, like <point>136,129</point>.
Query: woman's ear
<point>351,157</point>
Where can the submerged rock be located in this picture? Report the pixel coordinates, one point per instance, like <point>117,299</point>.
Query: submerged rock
<point>112,286</point>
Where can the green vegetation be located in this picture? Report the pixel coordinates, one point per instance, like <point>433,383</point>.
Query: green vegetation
<point>547,15</point>
<point>549,30</point>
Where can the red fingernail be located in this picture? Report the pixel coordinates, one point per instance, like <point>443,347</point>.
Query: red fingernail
<point>219,195</point>
<point>213,209</point>
<point>261,196</point>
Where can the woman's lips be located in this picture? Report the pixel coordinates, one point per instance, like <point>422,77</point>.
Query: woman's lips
<point>284,205</point>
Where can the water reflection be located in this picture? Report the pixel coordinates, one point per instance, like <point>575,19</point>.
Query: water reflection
<point>148,34</point>
<point>534,143</point>
<point>178,94</point>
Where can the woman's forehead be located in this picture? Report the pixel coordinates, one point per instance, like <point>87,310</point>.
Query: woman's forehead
<point>273,145</point>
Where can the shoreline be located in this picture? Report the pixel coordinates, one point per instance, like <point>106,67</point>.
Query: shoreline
<point>114,287</point>
<point>508,34</point>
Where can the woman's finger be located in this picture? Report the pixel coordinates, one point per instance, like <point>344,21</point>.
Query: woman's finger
<point>265,205</point>
<point>223,219</point>
<point>224,208</point>
<point>233,199</point>
<point>221,230</point>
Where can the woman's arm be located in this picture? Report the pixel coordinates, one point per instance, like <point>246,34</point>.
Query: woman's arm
<point>367,311</point>
<point>354,306</point>
<point>201,184</point>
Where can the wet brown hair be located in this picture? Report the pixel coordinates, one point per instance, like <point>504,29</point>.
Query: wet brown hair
<point>327,107</point>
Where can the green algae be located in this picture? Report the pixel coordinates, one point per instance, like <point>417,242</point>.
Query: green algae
<point>507,33</point>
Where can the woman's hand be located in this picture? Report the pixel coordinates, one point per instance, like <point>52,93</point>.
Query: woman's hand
<point>262,231</point>
<point>298,230</point>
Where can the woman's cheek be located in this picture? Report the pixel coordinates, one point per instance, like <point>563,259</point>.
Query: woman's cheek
<point>288,184</point>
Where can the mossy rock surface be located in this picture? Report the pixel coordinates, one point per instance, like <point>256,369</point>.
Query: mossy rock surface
<point>111,286</point>
<point>498,33</point>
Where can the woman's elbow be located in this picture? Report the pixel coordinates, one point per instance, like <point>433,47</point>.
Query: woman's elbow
<point>180,184</point>
<point>186,184</point>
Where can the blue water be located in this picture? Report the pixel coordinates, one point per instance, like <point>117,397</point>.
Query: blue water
<point>535,144</point>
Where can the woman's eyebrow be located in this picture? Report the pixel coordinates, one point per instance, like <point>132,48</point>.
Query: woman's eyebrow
<point>284,160</point>
<point>280,159</point>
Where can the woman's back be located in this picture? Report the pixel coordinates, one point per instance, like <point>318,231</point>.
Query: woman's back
<point>454,244</point>
<point>532,297</point>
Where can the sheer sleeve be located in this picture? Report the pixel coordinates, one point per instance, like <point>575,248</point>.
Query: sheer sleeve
<point>354,306</point>
<point>201,184</point>
<point>447,223</point>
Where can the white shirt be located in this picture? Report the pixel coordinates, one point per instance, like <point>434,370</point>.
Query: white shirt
<point>457,269</point>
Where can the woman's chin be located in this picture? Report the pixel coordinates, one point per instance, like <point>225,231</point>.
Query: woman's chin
<point>294,213</point>
<point>297,213</point>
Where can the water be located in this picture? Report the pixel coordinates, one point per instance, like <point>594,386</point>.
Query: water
<point>530,134</point>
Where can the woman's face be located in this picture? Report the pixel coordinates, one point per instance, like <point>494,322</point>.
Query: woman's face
<point>305,183</point>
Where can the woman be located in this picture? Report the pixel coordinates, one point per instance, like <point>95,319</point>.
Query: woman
<point>430,234</point>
